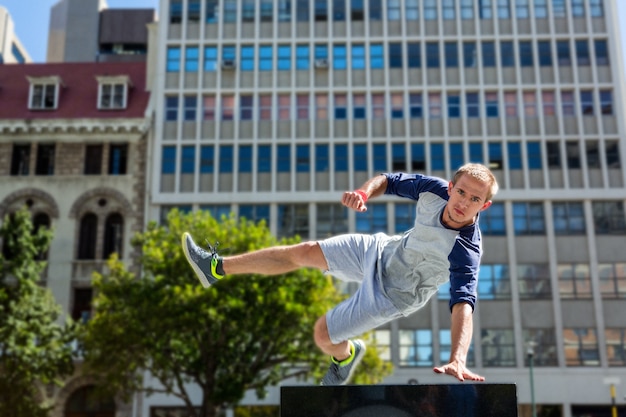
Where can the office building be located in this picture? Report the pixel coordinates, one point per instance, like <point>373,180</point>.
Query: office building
<point>11,49</point>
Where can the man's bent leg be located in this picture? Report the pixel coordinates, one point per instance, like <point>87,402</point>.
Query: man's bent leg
<point>338,351</point>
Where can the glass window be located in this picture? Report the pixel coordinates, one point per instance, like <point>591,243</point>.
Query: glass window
<point>247,58</point>
<point>264,159</point>
<point>414,54</point>
<point>228,107</point>
<point>192,58</point>
<point>416,348</point>
<point>515,155</point>
<point>454,105</point>
<point>448,9</point>
<point>358,56</point>
<point>432,55</point>
<point>210,58</point>
<point>457,155</point>
<point>507,54</point>
<point>434,105</point>
<point>616,346</point>
<point>341,106</point>
<point>267,10</point>
<point>341,157</point>
<point>545,53</point>
<point>416,105</point>
<point>541,9</point>
<point>491,104</point>
<point>168,160</point>
<point>528,219</point>
<point>302,106</point>
<point>265,58</point>
<point>467,9</point>
<point>582,53</point>
<point>377,56</point>
<point>171,108</point>
<point>567,103</point>
<point>302,57</point>
<point>526,54</point>
<point>430,9</point>
<point>245,158</point>
<point>191,107</point>
<point>612,279</point>
<point>581,347</point>
<point>563,53</point>
<point>544,346</point>
<point>398,158</point>
<point>176,11</point>
<point>321,106</point>
<point>494,282</point>
<point>322,158</point>
<point>533,154</point>
<point>284,106</point>
<point>359,106</point>
<point>284,10</point>
<point>302,10</point>
<point>265,107</point>
<point>452,54</point>
<point>376,10</point>
<point>418,157</point>
<point>608,217</point>
<point>303,158</point>
<point>395,55</point>
<point>207,159</point>
<point>606,102</point>
<point>393,10</point>
<point>378,106</point>
<point>360,157</point>
<point>374,220</point>
<point>230,11</point>
<point>397,105</point>
<point>284,57</point>
<point>533,281</point>
<point>469,54</point>
<point>596,8</point>
<point>473,105</point>
<point>245,107</point>
<point>548,101</point>
<point>558,8</point>
<point>510,104</point>
<point>504,9</point>
<point>226,160</point>
<point>484,9</point>
<point>411,10</point>
<point>437,157</point>
<point>586,102</point>
<point>247,10</point>
<point>489,54</point>
<point>476,152</point>
<point>379,157</point>
<point>404,216</point>
<point>495,155</point>
<point>498,347</point>
<point>339,57</point>
<point>283,158</point>
<point>492,221</point>
<point>332,219</point>
<point>521,9</point>
<point>356,10</point>
<point>553,154</point>
<point>212,11</point>
<point>530,104</point>
<point>602,52</point>
<point>569,218</point>
<point>173,59</point>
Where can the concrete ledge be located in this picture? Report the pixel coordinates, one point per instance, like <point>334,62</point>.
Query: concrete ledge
<point>439,400</point>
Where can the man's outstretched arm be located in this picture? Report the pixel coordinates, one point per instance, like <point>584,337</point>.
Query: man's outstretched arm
<point>462,327</point>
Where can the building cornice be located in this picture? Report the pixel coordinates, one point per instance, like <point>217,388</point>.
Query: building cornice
<point>61,126</point>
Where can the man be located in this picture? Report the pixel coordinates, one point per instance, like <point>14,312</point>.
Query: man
<point>398,274</point>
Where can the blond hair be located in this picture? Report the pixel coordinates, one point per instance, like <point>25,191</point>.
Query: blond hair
<point>482,174</point>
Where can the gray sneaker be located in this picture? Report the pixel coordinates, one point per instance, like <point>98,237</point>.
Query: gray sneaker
<point>205,264</point>
<point>339,374</point>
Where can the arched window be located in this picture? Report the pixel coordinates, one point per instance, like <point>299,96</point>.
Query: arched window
<point>113,235</point>
<point>88,236</point>
<point>82,403</point>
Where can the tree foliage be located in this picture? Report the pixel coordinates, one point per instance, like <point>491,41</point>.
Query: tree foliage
<point>34,347</point>
<point>245,332</point>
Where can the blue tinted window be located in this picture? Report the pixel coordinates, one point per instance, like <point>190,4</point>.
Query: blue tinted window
<point>526,54</point>
<point>188,160</point>
<point>284,158</point>
<point>489,54</point>
<point>245,158</point>
<point>469,54</point>
<point>210,58</point>
<point>168,160</point>
<point>321,51</point>
<point>432,55</point>
<point>226,159</point>
<point>437,157</point>
<point>418,157</point>
<point>476,152</point>
<point>284,58</point>
<point>545,53</point>
<point>264,163</point>
<point>376,56</point>
<point>492,221</point>
<point>265,58</point>
<point>173,59</point>
<point>360,157</point>
<point>247,58</point>
<point>456,155</point>
<point>321,158</point>
<point>380,158</point>
<point>515,155</point>
<point>534,155</point>
<point>341,158</point>
<point>413,55</point>
<point>506,54</point>
<point>207,155</point>
<point>302,57</point>
<point>192,57</point>
<point>452,54</point>
<point>454,106</point>
<point>339,56</point>
<point>303,158</point>
<point>395,55</point>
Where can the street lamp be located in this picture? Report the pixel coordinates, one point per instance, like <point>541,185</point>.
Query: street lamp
<point>531,355</point>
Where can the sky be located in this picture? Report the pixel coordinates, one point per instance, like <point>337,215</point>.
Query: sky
<point>31,22</point>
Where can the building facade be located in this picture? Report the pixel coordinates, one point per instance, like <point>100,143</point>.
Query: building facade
<point>271,109</point>
<point>73,140</point>
<point>88,31</point>
<point>11,49</point>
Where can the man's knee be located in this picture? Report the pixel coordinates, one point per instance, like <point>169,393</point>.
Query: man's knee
<point>320,333</point>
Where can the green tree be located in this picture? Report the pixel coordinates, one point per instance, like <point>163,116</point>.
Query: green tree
<point>34,347</point>
<point>246,332</point>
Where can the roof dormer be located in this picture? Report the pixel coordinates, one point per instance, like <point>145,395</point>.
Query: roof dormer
<point>113,92</point>
<point>44,92</point>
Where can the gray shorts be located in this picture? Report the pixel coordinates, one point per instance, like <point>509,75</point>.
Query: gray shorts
<point>356,258</point>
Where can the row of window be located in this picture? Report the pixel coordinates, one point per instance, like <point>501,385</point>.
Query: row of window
<point>375,10</point>
<point>533,280</point>
<point>395,105</point>
<point>498,347</point>
<point>46,155</point>
<point>379,157</point>
<point>358,56</point>
<point>44,93</point>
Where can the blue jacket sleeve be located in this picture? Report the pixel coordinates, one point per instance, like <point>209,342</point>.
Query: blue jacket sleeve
<point>464,263</point>
<point>412,185</point>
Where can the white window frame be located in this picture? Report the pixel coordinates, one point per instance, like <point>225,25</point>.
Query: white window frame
<point>53,82</point>
<point>112,83</point>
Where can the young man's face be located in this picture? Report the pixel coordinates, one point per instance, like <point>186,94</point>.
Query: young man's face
<point>467,197</point>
